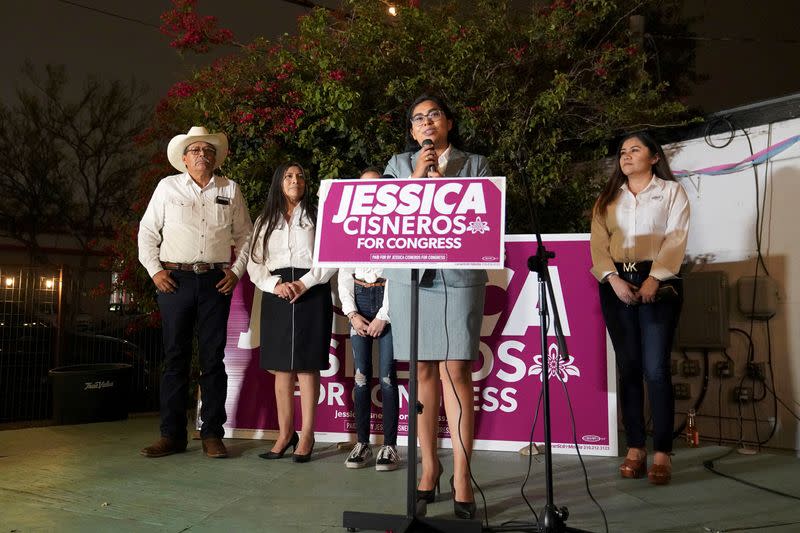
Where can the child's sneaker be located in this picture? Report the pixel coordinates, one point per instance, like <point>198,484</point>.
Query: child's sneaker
<point>387,459</point>
<point>359,457</point>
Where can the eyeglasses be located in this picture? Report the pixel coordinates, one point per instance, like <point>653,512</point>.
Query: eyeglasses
<point>433,115</point>
<point>204,151</point>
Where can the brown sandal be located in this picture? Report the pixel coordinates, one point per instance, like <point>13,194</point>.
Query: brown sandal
<point>660,474</point>
<point>633,468</point>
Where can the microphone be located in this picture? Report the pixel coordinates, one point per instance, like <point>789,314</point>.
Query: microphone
<point>431,167</point>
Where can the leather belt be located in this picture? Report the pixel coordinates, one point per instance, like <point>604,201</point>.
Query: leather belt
<point>197,268</point>
<point>380,282</point>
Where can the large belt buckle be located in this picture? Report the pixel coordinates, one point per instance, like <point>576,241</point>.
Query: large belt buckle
<point>629,267</point>
<point>200,268</point>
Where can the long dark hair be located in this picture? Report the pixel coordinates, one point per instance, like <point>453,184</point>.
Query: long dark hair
<point>452,137</point>
<point>275,207</point>
<point>660,169</point>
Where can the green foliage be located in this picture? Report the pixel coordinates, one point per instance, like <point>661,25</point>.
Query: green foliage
<point>537,91</point>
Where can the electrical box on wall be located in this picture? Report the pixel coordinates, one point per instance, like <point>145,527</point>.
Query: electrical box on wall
<point>758,297</point>
<point>704,316</point>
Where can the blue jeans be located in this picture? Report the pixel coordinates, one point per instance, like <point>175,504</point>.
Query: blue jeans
<point>368,302</point>
<point>642,338</point>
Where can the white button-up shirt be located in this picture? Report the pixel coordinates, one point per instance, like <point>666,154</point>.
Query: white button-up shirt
<point>186,224</point>
<point>650,226</point>
<point>290,245</point>
<point>347,289</point>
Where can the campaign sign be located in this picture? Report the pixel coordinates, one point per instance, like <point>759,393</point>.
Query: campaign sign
<point>413,223</point>
<point>507,376</point>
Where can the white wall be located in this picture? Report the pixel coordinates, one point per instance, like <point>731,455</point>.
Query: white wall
<point>722,237</point>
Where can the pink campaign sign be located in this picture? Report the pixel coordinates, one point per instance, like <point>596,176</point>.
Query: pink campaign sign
<point>507,376</point>
<point>454,222</point>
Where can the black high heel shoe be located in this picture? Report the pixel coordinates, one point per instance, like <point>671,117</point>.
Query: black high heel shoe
<point>304,457</point>
<point>465,510</point>
<point>277,455</point>
<point>430,495</point>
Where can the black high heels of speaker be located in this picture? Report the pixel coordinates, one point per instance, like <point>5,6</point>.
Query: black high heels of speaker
<point>304,457</point>
<point>430,495</point>
<point>277,455</point>
<point>465,510</point>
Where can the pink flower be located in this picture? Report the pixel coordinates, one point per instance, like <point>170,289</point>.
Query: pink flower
<point>517,53</point>
<point>286,71</point>
<point>182,89</point>
<point>191,31</point>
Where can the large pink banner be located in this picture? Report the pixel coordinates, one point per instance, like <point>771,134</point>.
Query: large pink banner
<point>507,376</point>
<point>417,223</point>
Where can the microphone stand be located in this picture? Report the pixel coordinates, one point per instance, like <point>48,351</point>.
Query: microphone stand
<point>552,519</point>
<point>414,520</point>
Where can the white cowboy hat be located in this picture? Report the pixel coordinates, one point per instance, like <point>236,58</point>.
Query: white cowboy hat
<point>179,143</point>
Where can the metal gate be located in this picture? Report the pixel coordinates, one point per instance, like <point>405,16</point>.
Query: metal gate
<point>43,324</point>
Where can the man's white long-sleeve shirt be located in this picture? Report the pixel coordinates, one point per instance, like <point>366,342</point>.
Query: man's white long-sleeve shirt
<point>186,224</point>
<point>650,226</point>
<point>291,244</point>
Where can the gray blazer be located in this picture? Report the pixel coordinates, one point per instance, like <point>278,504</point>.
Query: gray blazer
<point>459,164</point>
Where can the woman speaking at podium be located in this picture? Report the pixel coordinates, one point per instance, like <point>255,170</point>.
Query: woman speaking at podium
<point>639,228</point>
<point>450,310</point>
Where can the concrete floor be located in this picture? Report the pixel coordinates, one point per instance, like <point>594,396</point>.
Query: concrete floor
<point>91,478</point>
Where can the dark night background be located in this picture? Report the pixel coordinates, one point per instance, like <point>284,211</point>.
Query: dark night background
<point>747,50</point>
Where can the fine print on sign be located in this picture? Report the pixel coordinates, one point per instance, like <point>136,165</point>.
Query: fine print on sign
<point>414,223</point>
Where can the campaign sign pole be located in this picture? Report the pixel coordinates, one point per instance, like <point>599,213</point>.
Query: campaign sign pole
<point>417,224</point>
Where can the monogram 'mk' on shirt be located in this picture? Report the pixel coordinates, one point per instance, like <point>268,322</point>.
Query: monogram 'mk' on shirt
<point>186,224</point>
<point>650,226</point>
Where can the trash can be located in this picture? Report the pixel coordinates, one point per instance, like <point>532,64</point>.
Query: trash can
<point>90,393</point>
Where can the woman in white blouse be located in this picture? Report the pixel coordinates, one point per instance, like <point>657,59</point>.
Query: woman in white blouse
<point>296,308</point>
<point>639,229</point>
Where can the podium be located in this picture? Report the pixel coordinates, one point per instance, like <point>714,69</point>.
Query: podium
<point>416,224</point>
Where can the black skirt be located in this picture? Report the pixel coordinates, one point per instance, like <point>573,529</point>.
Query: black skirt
<point>296,337</point>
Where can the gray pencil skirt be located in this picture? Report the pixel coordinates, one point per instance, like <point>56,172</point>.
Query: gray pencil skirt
<point>449,321</point>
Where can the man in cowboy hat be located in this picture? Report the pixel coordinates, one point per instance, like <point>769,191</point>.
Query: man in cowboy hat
<point>185,241</point>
